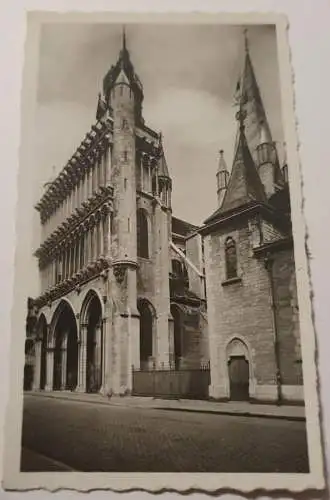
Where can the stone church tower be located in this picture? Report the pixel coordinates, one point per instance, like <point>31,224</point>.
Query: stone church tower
<point>250,270</point>
<point>110,253</point>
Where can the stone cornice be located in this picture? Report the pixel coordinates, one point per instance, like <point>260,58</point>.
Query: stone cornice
<point>92,270</point>
<point>91,211</point>
<point>92,146</point>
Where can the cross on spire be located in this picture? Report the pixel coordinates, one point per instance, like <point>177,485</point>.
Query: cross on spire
<point>246,40</point>
<point>124,37</point>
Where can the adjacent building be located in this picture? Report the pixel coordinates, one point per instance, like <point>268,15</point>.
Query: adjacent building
<point>254,334</point>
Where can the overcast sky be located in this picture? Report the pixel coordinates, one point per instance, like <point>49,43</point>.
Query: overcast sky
<point>189,75</point>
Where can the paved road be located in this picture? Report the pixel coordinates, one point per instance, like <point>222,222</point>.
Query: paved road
<point>93,437</point>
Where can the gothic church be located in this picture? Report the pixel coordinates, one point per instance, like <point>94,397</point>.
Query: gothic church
<point>128,290</point>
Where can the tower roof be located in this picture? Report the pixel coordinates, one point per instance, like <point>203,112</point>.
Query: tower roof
<point>244,184</point>
<point>256,124</point>
<point>124,64</point>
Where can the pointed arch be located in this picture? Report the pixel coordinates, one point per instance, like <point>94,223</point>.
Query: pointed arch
<point>147,323</point>
<point>239,368</point>
<point>64,339</point>
<point>42,334</point>
<point>91,318</point>
<point>89,297</point>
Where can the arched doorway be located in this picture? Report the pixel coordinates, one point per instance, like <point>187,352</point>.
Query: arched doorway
<point>178,348</point>
<point>66,349</point>
<point>94,361</point>
<point>42,332</point>
<point>238,370</point>
<point>146,333</point>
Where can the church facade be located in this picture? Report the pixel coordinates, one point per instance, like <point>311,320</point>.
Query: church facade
<point>127,287</point>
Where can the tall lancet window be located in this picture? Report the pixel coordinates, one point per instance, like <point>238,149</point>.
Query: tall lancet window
<point>231,258</point>
<point>142,234</point>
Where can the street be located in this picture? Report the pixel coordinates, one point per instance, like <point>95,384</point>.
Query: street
<point>71,435</point>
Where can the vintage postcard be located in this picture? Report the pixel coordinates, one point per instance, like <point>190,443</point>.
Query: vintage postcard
<point>162,337</point>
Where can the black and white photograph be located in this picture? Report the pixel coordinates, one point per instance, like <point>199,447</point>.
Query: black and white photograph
<point>162,326</point>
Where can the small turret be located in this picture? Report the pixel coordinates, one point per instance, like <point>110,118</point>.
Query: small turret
<point>164,180</point>
<point>222,178</point>
<point>101,108</point>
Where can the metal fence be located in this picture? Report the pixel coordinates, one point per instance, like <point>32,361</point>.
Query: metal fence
<point>171,383</point>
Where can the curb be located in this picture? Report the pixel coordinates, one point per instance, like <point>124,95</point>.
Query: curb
<point>296,418</point>
<point>187,410</point>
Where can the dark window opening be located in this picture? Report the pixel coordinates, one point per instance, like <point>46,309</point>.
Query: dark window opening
<point>142,234</point>
<point>231,258</point>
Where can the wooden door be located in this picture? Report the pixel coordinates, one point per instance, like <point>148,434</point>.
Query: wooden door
<point>239,378</point>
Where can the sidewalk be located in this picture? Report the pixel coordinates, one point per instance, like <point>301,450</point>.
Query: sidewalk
<point>212,407</point>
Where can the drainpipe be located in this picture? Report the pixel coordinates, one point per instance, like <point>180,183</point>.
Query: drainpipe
<point>269,267</point>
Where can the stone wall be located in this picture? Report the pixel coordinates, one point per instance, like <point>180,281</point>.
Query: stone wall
<point>239,309</point>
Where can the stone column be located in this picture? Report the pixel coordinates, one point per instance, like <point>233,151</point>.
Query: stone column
<point>106,387</point>
<point>141,172</point>
<point>64,361</point>
<point>98,353</point>
<point>82,359</point>
<point>101,223</point>
<point>149,177</point>
<point>49,369</point>
<point>63,368</point>
<point>108,166</point>
<point>37,366</point>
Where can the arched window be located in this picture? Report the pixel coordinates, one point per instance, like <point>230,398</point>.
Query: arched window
<point>142,234</point>
<point>231,258</point>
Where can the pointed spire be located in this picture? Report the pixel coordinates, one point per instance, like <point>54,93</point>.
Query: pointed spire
<point>222,178</point>
<point>252,103</point>
<point>162,164</point>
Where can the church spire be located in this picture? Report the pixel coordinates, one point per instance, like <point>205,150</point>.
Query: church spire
<point>250,99</point>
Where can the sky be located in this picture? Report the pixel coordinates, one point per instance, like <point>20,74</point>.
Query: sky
<point>189,74</point>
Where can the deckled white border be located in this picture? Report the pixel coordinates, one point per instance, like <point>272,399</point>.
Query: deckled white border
<point>153,482</point>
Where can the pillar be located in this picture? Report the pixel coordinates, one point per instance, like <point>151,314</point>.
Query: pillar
<point>107,347</point>
<point>63,367</point>
<point>82,359</point>
<point>98,354</point>
<point>37,366</point>
<point>49,369</point>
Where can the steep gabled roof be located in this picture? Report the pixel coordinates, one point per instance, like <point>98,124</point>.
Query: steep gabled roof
<point>244,184</point>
